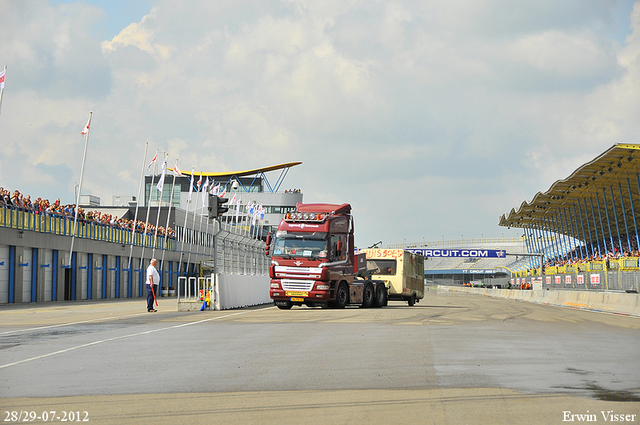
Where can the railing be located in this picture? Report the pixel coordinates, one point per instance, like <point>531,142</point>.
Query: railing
<point>458,242</point>
<point>194,289</point>
<point>63,226</point>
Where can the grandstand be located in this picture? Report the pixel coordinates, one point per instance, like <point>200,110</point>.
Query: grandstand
<point>593,214</point>
<point>582,233</point>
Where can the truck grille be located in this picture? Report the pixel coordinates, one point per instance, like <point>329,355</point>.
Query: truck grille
<point>297,285</point>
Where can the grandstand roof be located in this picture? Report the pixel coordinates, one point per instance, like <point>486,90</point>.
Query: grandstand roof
<point>252,172</point>
<point>608,183</point>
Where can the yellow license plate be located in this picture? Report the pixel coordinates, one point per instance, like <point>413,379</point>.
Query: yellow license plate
<point>296,294</point>
<point>294,299</point>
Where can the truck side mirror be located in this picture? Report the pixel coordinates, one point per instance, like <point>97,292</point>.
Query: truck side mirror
<point>267,247</point>
<point>339,248</point>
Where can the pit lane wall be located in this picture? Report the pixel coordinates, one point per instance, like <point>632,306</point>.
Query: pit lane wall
<point>602,301</point>
<point>222,292</point>
<point>235,291</point>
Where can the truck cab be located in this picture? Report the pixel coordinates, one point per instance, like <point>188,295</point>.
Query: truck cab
<point>313,260</point>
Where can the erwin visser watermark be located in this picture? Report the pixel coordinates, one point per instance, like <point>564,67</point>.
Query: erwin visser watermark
<point>605,416</point>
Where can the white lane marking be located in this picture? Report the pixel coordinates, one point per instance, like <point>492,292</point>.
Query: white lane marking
<point>125,336</point>
<point>72,323</point>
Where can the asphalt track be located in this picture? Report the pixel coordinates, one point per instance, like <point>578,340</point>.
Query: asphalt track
<point>453,358</point>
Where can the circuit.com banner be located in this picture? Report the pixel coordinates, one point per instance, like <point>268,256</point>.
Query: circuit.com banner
<point>461,253</point>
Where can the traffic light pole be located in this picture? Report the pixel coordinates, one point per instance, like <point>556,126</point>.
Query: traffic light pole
<point>215,291</point>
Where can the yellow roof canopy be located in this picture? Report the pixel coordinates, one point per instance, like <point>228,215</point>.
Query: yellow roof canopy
<point>245,172</point>
<point>599,200</point>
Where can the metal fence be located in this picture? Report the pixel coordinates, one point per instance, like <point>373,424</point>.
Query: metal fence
<point>593,280</point>
<point>576,280</point>
<point>63,226</point>
<point>238,252</point>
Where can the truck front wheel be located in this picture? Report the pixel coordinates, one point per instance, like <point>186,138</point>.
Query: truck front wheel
<point>342,296</point>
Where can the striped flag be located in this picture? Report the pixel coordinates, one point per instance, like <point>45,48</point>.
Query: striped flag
<point>2,79</point>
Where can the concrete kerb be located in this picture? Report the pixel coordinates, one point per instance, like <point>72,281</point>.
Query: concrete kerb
<point>609,302</point>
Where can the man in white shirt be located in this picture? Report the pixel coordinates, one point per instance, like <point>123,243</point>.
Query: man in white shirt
<point>153,278</point>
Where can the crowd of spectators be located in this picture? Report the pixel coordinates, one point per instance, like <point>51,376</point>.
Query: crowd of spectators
<point>577,256</point>
<point>56,209</point>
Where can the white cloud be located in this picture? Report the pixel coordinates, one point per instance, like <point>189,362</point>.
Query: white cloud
<point>455,111</point>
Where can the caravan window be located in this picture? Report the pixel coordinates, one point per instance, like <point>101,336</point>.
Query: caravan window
<point>385,267</point>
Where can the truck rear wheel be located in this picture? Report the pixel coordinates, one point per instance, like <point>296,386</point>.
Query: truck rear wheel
<point>381,296</point>
<point>412,300</point>
<point>368,295</point>
<point>342,296</point>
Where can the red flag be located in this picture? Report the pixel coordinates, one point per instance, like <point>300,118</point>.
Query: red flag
<point>2,79</point>
<point>177,171</point>
<point>152,161</point>
<point>86,128</point>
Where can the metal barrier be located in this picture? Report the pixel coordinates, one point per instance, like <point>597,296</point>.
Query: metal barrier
<point>195,289</point>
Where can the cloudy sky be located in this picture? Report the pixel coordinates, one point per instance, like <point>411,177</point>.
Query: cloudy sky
<point>432,118</point>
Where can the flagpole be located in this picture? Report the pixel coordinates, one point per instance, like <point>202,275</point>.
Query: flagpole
<point>184,228</point>
<point>135,216</point>
<point>166,227</point>
<point>194,222</point>
<point>84,158</point>
<point>4,74</point>
<point>161,184</point>
<point>203,193</point>
<point>146,221</point>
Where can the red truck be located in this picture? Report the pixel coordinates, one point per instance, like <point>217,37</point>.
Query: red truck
<point>313,261</point>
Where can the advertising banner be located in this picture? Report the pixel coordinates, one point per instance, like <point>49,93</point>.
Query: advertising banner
<point>460,253</point>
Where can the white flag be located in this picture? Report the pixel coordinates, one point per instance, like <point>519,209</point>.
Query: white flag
<point>86,127</point>
<point>161,181</point>
<point>191,185</point>
<point>204,191</point>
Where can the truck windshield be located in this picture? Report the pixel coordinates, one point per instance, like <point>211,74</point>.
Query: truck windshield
<point>385,267</point>
<point>311,245</point>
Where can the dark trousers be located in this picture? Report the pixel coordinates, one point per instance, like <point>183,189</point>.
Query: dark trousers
<point>150,297</point>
